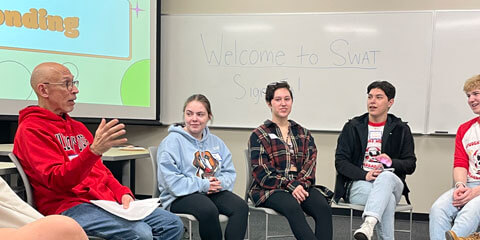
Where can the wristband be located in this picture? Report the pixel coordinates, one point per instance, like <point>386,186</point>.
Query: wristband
<point>457,184</point>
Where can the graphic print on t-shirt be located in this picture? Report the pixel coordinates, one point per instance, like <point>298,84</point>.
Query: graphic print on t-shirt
<point>474,155</point>
<point>470,142</point>
<point>374,146</point>
<point>476,159</point>
<point>206,164</point>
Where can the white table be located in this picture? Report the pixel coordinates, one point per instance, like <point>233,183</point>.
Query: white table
<point>7,171</point>
<point>5,149</point>
<point>113,156</point>
<point>7,168</point>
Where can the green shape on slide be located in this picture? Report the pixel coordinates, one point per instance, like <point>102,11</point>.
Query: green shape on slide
<point>135,89</point>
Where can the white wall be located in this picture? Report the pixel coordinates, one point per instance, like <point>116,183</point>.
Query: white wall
<point>289,6</point>
<point>434,153</point>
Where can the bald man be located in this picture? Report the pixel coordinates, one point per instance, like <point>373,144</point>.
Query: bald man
<point>62,161</point>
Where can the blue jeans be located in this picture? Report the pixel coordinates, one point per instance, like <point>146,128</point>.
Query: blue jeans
<point>443,214</point>
<point>98,222</point>
<point>380,198</point>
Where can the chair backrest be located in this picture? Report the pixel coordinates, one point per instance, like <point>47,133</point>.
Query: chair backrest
<point>248,172</point>
<point>28,187</point>
<point>153,157</point>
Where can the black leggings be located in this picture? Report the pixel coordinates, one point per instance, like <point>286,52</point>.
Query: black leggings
<point>206,209</point>
<point>315,205</point>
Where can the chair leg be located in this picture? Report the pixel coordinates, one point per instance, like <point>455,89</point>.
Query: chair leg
<point>190,230</point>
<point>411,210</point>
<point>266,226</point>
<point>248,226</point>
<point>351,224</point>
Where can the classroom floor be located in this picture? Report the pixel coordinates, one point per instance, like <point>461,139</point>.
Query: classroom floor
<point>341,224</point>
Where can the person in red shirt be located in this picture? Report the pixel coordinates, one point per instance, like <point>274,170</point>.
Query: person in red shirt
<point>63,162</point>
<point>456,213</point>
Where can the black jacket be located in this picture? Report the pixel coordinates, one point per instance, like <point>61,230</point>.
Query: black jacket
<point>397,142</point>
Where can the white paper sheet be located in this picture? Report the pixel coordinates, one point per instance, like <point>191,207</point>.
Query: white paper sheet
<point>138,209</point>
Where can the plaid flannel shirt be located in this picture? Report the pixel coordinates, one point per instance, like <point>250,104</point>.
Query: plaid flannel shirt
<point>271,160</point>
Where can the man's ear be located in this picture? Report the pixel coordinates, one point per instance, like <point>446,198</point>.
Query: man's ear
<point>42,90</point>
<point>390,102</point>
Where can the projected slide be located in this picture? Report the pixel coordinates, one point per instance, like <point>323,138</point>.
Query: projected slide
<point>107,45</point>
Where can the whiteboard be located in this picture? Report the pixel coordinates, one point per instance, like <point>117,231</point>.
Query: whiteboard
<point>456,54</point>
<point>328,59</point>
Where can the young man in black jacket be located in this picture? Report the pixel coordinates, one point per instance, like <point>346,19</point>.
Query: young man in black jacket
<point>375,152</point>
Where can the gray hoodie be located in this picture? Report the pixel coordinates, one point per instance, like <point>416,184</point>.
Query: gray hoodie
<point>185,164</point>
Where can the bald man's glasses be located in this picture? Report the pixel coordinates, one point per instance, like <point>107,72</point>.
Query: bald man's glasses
<point>67,84</point>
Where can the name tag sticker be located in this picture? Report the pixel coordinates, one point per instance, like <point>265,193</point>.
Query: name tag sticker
<point>217,156</point>
<point>272,136</point>
<point>72,156</point>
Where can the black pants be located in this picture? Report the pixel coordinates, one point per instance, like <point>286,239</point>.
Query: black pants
<point>206,209</point>
<point>315,205</point>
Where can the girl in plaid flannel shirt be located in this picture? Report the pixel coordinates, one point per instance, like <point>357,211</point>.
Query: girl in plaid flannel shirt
<point>283,158</point>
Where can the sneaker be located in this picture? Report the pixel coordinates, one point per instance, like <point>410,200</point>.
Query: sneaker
<point>365,231</point>
<point>450,235</point>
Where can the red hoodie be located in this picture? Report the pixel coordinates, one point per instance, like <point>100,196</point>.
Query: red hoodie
<point>55,154</point>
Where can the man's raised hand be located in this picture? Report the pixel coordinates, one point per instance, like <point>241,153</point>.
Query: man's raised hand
<point>107,136</point>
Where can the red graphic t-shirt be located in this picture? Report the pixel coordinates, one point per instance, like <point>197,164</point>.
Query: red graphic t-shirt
<point>374,146</point>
